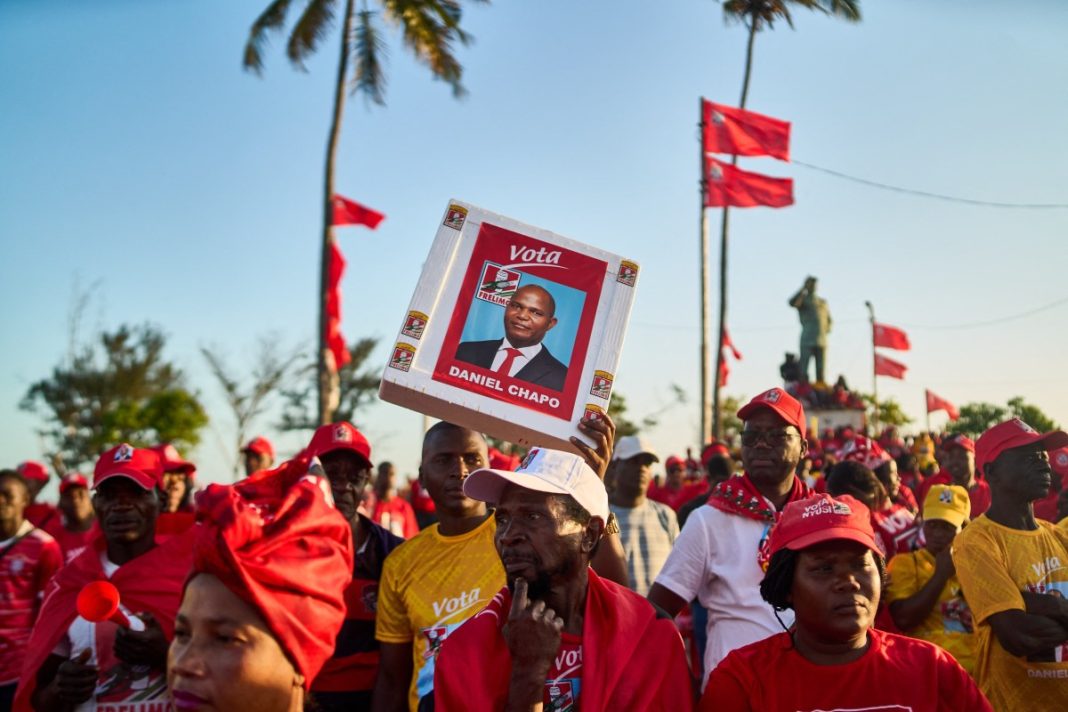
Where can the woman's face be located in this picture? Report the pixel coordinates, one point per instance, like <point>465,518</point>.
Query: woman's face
<point>835,591</point>
<point>174,487</point>
<point>223,656</point>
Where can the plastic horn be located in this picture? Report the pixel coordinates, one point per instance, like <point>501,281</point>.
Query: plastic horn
<point>99,601</point>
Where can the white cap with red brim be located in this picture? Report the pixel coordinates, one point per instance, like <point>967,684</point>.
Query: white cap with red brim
<point>544,470</point>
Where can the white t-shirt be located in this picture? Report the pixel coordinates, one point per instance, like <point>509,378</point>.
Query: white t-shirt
<point>120,687</point>
<point>715,561</point>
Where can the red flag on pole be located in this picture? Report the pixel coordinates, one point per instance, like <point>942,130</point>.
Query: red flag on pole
<point>729,185</point>
<point>744,133</point>
<point>334,340</point>
<point>724,368</point>
<point>348,212</point>
<point>890,337</point>
<point>888,367</point>
<point>935,402</point>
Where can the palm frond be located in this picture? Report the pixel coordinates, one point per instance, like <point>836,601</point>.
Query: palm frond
<point>368,53</point>
<point>767,12</point>
<point>429,37</point>
<point>845,9</point>
<point>272,19</point>
<point>314,24</point>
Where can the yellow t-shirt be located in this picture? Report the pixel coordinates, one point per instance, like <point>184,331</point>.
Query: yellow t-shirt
<point>430,585</point>
<point>945,624</point>
<point>994,565</point>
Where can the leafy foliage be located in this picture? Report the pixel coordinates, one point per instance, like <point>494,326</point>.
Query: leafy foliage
<point>890,412</point>
<point>358,385</point>
<point>977,417</point>
<point>767,12</point>
<point>120,389</point>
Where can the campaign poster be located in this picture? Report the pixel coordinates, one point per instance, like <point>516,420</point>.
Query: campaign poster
<point>520,329</point>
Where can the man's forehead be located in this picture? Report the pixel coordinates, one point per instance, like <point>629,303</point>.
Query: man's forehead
<point>1025,450</point>
<point>455,441</point>
<point>766,418</point>
<point>514,495</point>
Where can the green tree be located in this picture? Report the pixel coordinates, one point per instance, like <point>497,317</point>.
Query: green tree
<point>975,418</point>
<point>756,15</point>
<point>358,386</point>
<point>429,28</point>
<point>119,389</point>
<point>890,412</point>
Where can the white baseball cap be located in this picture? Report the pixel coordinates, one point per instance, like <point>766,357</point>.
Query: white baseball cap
<point>544,470</point>
<point>630,446</point>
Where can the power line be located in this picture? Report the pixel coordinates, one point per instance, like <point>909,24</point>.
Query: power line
<point>927,194</point>
<point>990,322</point>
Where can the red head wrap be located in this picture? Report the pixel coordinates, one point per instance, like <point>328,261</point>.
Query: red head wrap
<point>276,541</point>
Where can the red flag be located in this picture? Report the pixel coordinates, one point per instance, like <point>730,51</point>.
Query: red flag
<point>729,185</point>
<point>890,337</point>
<point>724,367</point>
<point>938,403</point>
<point>744,133</point>
<point>728,343</point>
<point>888,367</point>
<point>347,212</point>
<point>334,340</point>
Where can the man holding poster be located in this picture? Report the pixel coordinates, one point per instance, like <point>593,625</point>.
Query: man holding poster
<point>528,317</point>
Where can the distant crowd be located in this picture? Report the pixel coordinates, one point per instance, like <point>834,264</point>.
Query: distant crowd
<point>780,569</point>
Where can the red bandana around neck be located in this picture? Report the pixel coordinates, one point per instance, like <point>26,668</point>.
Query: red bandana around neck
<point>738,495</point>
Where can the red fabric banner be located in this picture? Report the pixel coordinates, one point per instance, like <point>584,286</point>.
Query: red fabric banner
<point>888,367</point>
<point>890,337</point>
<point>334,340</point>
<point>728,185</point>
<point>935,402</point>
<point>744,133</point>
<point>724,367</point>
<point>349,212</point>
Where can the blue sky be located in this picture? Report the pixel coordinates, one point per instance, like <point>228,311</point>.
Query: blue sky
<point>137,157</point>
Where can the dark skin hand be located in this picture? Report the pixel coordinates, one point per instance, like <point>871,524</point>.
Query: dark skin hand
<point>533,634</point>
<point>147,647</point>
<point>64,684</point>
<point>394,675</point>
<point>610,561</point>
<point>911,612</point>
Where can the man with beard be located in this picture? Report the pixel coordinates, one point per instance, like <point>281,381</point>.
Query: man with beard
<point>721,555</point>
<point>347,679</point>
<point>958,463</point>
<point>1013,569</point>
<point>557,635</point>
<point>445,574</point>
<point>73,663</point>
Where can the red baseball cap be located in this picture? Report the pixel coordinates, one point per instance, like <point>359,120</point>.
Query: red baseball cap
<point>714,450</point>
<point>33,470</point>
<point>72,479</point>
<point>959,440</point>
<point>864,450</point>
<point>1058,460</point>
<point>261,446</point>
<point>339,436</point>
<point>778,400</point>
<point>674,461</point>
<point>820,518</point>
<point>172,461</point>
<point>1014,433</point>
<point>141,465</point>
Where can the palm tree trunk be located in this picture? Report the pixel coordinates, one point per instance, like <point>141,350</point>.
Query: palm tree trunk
<point>327,370</point>
<point>717,419</point>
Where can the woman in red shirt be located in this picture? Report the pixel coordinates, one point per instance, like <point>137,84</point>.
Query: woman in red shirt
<point>826,566</point>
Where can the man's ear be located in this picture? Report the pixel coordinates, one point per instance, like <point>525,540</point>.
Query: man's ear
<point>592,534</point>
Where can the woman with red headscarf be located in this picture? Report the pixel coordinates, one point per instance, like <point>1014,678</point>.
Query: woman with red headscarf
<point>264,603</point>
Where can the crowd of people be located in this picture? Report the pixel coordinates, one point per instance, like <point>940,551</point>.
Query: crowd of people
<point>782,570</point>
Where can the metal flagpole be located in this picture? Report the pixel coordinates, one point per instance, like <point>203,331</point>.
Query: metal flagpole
<point>706,383</point>
<point>874,374</point>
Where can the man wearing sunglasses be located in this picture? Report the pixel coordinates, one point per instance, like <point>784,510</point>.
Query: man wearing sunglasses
<point>721,554</point>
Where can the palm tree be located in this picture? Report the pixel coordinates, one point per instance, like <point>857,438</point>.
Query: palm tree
<point>756,15</point>
<point>429,29</point>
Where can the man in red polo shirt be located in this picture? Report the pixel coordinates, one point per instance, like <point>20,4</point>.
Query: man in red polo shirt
<point>391,511</point>
<point>958,468</point>
<point>76,525</point>
<point>28,558</point>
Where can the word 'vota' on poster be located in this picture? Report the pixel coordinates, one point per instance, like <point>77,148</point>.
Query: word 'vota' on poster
<point>513,330</point>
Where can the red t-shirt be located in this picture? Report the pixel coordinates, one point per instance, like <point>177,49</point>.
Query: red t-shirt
<point>396,516</point>
<point>25,569</point>
<point>897,528</point>
<point>895,674</point>
<point>979,494</point>
<point>564,683</point>
<point>675,498</point>
<point>421,501</point>
<point>71,543</point>
<point>41,514</point>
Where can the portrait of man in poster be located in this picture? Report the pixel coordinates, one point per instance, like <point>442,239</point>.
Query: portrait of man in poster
<point>520,354</point>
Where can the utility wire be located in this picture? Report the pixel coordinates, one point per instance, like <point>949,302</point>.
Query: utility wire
<point>926,194</point>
